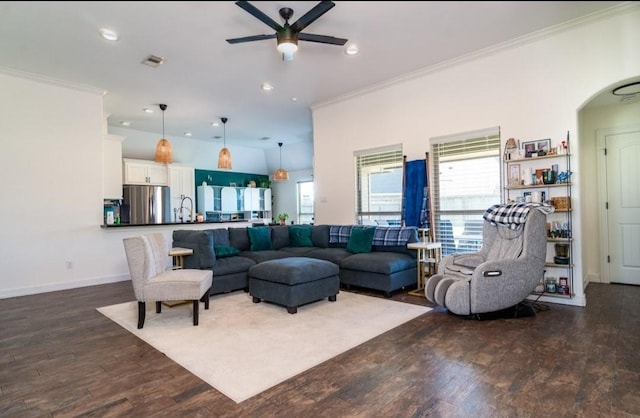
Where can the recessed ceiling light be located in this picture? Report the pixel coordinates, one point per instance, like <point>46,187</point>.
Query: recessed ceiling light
<point>294,99</point>
<point>215,124</point>
<point>108,34</point>
<point>351,49</point>
<point>125,123</point>
<point>147,110</point>
<point>188,134</point>
<point>267,86</point>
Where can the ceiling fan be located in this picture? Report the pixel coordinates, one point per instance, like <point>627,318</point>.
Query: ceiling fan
<point>289,35</point>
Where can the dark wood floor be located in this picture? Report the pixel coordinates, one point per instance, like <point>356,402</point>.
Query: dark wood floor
<point>60,357</point>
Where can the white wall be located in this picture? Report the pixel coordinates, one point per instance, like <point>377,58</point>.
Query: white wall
<point>51,187</point>
<point>531,91</point>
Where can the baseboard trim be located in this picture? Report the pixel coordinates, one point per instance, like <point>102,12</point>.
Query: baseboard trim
<point>53,287</point>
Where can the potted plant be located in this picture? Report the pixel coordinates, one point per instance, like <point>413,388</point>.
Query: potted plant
<point>282,217</point>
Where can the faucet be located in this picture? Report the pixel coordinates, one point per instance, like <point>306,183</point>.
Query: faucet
<point>190,209</point>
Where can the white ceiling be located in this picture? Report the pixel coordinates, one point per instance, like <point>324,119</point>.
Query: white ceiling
<point>204,77</point>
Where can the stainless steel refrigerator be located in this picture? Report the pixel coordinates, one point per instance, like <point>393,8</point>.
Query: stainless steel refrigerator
<point>143,205</point>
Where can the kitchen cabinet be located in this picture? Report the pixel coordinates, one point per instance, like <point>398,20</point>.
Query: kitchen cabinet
<point>112,167</point>
<point>250,199</point>
<point>548,178</point>
<point>144,172</point>
<point>182,184</point>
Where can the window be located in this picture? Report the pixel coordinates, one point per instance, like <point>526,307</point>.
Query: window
<point>379,186</point>
<point>305,202</point>
<point>466,181</point>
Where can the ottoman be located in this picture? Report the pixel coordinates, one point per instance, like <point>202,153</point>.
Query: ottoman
<point>294,281</point>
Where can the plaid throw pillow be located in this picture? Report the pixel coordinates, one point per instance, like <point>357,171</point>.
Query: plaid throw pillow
<point>339,234</point>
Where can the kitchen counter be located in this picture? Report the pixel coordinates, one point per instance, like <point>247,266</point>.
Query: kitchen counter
<point>176,224</point>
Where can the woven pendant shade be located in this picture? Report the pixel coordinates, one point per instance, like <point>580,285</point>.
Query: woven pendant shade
<point>224,157</point>
<point>164,153</point>
<point>280,174</point>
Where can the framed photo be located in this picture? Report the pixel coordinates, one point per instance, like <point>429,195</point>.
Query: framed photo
<point>232,185</point>
<point>543,145</point>
<point>513,175</point>
<point>529,148</point>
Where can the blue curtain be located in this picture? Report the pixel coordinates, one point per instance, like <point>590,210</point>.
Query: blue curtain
<point>415,207</point>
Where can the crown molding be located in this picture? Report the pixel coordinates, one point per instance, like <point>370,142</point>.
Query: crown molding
<point>52,81</point>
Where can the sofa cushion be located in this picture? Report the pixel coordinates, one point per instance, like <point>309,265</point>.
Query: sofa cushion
<point>201,242</point>
<point>320,236</point>
<point>300,235</point>
<point>260,238</point>
<point>279,237</point>
<point>232,265</point>
<point>379,262</point>
<point>239,238</point>
<point>335,255</point>
<point>220,236</point>
<point>225,251</point>
<point>360,240</point>
<point>265,255</point>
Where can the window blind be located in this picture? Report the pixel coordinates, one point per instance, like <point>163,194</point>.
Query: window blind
<point>379,185</point>
<point>466,181</point>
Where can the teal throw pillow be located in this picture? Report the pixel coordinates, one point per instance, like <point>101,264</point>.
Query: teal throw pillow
<point>225,251</point>
<point>360,240</point>
<point>300,236</point>
<point>260,238</point>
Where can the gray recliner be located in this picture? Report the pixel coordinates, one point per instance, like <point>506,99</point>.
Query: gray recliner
<point>504,272</point>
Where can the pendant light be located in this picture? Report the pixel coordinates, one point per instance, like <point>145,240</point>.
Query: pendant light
<point>281,174</point>
<point>224,157</point>
<point>164,154</point>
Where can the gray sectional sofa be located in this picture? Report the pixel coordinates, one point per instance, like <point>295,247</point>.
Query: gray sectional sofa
<point>379,261</point>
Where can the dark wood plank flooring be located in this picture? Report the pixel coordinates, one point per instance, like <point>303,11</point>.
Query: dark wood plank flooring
<point>59,357</point>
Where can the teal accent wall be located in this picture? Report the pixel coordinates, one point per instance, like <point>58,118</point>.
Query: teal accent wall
<point>224,178</point>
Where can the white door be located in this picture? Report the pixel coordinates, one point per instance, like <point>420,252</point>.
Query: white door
<point>623,215</point>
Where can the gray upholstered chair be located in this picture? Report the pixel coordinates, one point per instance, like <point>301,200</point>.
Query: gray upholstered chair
<point>503,272</point>
<point>148,257</point>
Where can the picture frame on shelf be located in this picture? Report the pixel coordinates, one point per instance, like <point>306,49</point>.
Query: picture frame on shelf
<point>529,148</point>
<point>513,175</point>
<point>543,146</point>
<point>232,184</point>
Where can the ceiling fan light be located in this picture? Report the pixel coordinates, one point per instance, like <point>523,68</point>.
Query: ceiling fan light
<point>287,47</point>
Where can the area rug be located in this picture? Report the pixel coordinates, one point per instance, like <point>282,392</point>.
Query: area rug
<point>242,348</point>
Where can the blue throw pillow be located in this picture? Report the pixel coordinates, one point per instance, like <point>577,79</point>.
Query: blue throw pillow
<point>260,239</point>
<point>360,240</point>
<point>225,251</point>
<point>300,235</point>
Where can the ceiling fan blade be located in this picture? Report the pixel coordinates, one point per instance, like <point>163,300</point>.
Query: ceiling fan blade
<point>309,17</point>
<point>323,39</point>
<point>255,12</point>
<point>250,38</point>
